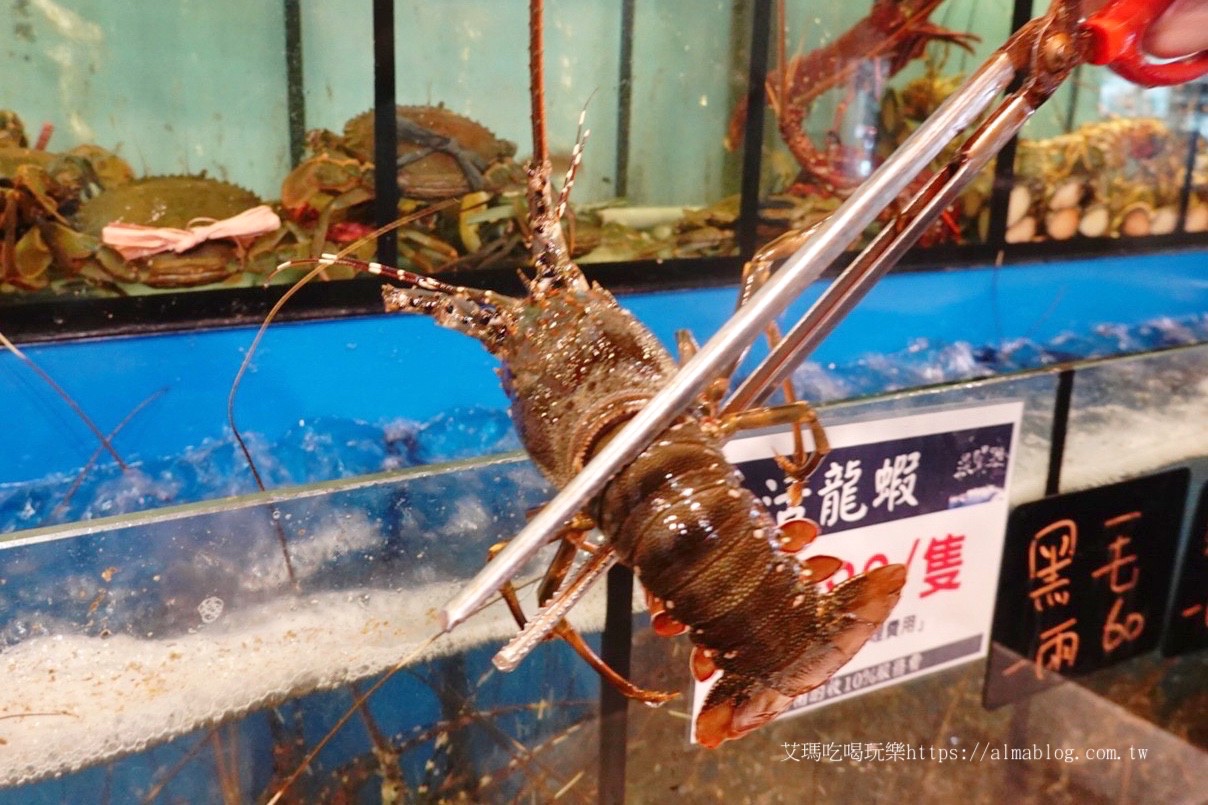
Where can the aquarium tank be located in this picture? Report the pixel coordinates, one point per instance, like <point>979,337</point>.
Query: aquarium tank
<point>686,171</point>
<point>225,548</point>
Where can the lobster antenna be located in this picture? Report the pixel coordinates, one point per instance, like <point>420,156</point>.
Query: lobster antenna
<point>319,268</point>
<point>537,82</point>
<point>576,159</point>
<point>67,398</point>
<point>358,703</point>
<point>247,361</point>
<point>62,505</point>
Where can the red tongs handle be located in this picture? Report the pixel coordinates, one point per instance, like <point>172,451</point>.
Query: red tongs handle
<point>1117,30</point>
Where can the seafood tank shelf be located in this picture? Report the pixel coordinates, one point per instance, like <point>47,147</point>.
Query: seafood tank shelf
<point>310,151</point>
<point>671,190</point>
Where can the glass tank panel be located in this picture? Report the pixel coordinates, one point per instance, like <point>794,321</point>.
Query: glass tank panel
<point>1136,415</point>
<point>847,83</point>
<point>202,629</point>
<point>149,113</point>
<point>651,84</point>
<point>267,101</point>
<point>179,654</point>
<point>191,120</point>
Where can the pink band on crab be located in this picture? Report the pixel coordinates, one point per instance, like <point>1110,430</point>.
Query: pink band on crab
<point>133,241</point>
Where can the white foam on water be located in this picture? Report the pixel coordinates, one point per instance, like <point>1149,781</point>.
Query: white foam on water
<point>1115,442</point>
<point>97,698</point>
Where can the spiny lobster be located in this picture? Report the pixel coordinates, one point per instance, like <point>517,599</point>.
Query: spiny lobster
<point>894,33</point>
<point>577,366</point>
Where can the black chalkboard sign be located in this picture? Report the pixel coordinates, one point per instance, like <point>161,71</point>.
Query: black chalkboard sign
<point>1084,582</point>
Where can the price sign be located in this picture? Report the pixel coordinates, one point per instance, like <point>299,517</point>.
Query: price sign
<point>928,491</point>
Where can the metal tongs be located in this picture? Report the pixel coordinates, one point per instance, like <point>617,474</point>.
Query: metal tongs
<point>1042,55</point>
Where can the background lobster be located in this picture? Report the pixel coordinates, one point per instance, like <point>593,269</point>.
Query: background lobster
<point>577,366</point>
<point>893,34</point>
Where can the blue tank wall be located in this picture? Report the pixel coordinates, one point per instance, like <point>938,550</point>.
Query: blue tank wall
<point>379,368</point>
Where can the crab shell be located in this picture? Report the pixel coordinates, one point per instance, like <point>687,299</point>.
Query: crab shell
<point>69,176</point>
<point>164,201</point>
<point>40,191</point>
<point>170,201</point>
<point>437,175</point>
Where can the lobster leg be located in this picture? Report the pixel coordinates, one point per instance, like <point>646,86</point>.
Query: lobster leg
<point>796,533</point>
<point>796,413</point>
<point>686,347</point>
<point>571,542</point>
<point>755,273</point>
<point>801,464</point>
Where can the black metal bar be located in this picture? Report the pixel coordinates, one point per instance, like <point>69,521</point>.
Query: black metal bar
<point>1061,421</point>
<point>625,97</point>
<point>1199,96</point>
<point>746,228</point>
<point>295,100</point>
<point>616,643</point>
<point>1000,194</point>
<point>385,130</point>
<point>1004,163</point>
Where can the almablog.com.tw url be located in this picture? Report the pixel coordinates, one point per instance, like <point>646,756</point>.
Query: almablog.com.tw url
<point>981,751</point>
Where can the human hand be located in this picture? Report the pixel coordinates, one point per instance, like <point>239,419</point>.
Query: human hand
<point>1181,31</point>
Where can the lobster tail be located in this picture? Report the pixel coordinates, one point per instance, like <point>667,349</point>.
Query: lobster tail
<point>847,617</point>
<point>736,705</point>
